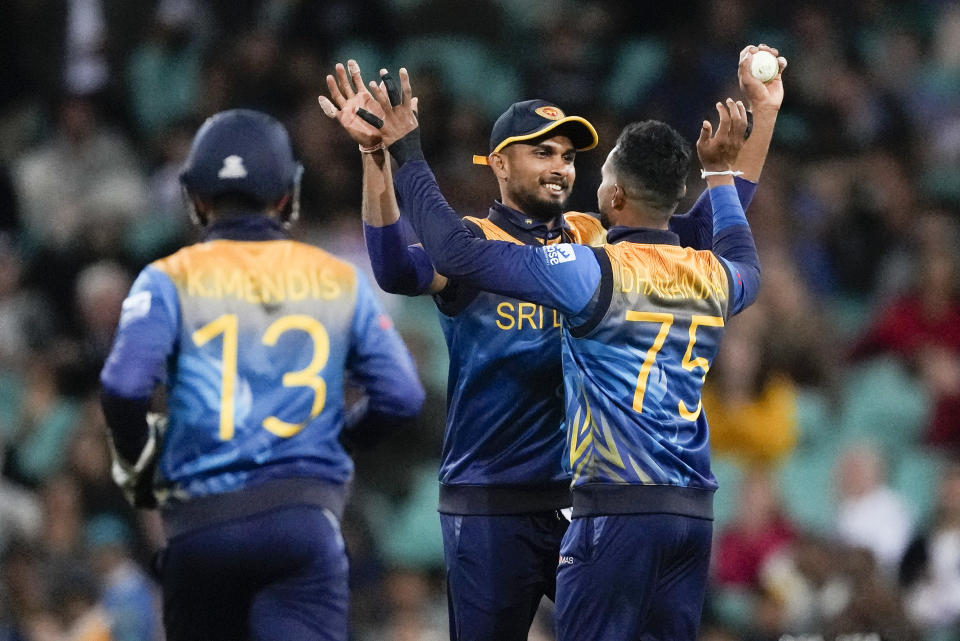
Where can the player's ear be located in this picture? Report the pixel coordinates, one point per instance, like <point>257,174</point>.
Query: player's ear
<point>618,198</point>
<point>498,163</point>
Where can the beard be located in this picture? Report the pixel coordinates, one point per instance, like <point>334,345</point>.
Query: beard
<point>539,208</point>
<point>604,220</point>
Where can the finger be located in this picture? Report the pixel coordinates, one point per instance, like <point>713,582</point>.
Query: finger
<point>369,117</point>
<point>706,131</point>
<point>354,70</point>
<point>414,106</point>
<point>739,127</point>
<point>344,82</point>
<point>327,106</point>
<point>782,62</point>
<point>335,91</point>
<point>744,53</point>
<point>391,86</point>
<point>723,127</point>
<point>405,85</point>
<point>379,94</point>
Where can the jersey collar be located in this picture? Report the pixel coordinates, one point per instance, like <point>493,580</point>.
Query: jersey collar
<point>245,227</point>
<point>524,228</point>
<point>642,236</point>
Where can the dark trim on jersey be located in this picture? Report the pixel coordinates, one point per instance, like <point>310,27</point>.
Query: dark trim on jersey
<point>204,511</point>
<point>600,499</point>
<point>456,297</point>
<point>241,226</point>
<point>604,295</point>
<point>526,229</point>
<point>642,236</point>
<point>471,500</point>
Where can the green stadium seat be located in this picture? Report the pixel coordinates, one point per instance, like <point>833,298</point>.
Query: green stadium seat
<point>883,404</point>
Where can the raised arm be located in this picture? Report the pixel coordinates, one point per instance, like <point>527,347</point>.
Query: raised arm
<point>397,267</point>
<point>732,239</point>
<point>506,268</point>
<point>695,227</point>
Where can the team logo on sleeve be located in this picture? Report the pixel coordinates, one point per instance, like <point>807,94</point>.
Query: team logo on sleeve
<point>134,307</point>
<point>556,254</point>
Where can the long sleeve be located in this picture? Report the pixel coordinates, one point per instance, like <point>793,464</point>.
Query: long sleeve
<point>564,277</point>
<point>399,268</point>
<point>733,243</point>
<point>695,228</point>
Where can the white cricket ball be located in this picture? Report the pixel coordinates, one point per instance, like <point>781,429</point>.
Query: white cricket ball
<point>764,66</point>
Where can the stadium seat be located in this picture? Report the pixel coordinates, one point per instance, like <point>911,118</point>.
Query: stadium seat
<point>728,474</point>
<point>807,487</point>
<point>915,473</point>
<point>883,404</point>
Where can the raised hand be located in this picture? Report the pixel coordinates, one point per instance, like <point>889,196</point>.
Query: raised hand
<point>398,119</point>
<point>348,100</point>
<point>718,152</point>
<point>760,95</point>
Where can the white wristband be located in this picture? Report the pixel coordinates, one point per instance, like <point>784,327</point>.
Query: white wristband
<point>729,172</point>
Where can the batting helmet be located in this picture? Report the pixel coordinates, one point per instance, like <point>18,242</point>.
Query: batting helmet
<point>246,152</point>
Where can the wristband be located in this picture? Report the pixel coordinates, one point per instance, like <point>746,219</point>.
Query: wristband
<point>407,148</point>
<point>729,172</point>
<point>371,150</point>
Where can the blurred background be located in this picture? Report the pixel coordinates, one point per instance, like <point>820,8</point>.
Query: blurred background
<point>834,404</point>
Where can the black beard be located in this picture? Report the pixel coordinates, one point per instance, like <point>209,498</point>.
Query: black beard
<point>604,221</point>
<point>538,209</point>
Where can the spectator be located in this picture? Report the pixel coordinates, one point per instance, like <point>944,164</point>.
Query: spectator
<point>759,529</point>
<point>869,513</point>
<point>930,570</point>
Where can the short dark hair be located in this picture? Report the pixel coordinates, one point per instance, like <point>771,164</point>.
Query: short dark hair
<point>652,161</point>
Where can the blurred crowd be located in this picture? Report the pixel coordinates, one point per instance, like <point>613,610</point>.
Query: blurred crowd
<point>834,404</point>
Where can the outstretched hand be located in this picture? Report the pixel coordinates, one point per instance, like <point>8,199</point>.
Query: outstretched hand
<point>399,117</point>
<point>760,95</point>
<point>719,151</point>
<point>349,102</point>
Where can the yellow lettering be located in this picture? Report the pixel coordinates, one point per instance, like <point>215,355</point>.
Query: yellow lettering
<point>251,288</point>
<point>521,315</point>
<point>556,319</point>
<point>272,290</point>
<point>298,287</point>
<point>195,283</point>
<point>626,278</point>
<point>331,285</point>
<point>228,284</point>
<point>505,310</point>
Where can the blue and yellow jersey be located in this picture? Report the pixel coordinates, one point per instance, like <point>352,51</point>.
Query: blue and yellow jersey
<point>504,425</point>
<point>635,373</point>
<point>253,339</point>
<point>642,321</point>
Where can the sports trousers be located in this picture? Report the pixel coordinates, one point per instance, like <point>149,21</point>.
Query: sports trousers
<point>279,575</point>
<point>498,569</point>
<point>633,577</point>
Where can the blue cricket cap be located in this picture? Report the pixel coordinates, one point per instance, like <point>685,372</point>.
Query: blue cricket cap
<point>533,118</point>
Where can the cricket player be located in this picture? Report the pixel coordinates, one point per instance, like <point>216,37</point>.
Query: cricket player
<point>642,322</point>
<point>503,476</point>
<point>252,336</point>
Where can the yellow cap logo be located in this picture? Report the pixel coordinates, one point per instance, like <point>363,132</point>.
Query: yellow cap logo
<point>550,113</point>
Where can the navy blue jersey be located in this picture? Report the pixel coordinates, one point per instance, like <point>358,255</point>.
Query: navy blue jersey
<point>504,391</point>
